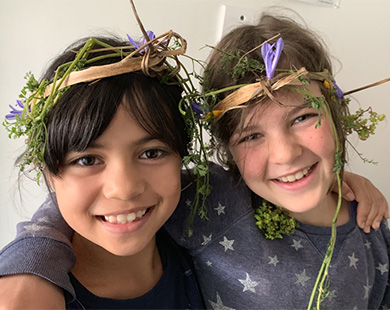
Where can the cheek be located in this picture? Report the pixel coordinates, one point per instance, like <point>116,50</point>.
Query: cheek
<point>75,197</point>
<point>166,183</point>
<point>322,141</point>
<point>251,162</point>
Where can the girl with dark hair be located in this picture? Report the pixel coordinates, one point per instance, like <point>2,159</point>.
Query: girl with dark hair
<point>112,159</point>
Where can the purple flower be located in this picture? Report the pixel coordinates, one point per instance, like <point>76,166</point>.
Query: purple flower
<point>338,91</point>
<point>143,40</point>
<point>271,54</point>
<point>12,116</point>
<point>197,109</point>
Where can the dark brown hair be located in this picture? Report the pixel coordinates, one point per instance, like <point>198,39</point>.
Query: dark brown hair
<point>84,112</point>
<point>302,48</point>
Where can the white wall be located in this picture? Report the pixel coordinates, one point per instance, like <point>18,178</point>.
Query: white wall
<point>33,31</point>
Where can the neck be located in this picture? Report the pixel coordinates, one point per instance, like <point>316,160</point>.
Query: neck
<point>116,277</point>
<point>323,214</point>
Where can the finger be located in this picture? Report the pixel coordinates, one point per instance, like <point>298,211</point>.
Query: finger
<point>372,218</point>
<point>364,209</point>
<point>346,192</point>
<point>383,212</point>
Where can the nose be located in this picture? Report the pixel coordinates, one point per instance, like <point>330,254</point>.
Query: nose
<point>123,181</point>
<point>283,149</point>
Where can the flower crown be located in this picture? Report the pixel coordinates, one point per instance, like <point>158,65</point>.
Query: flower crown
<point>155,56</point>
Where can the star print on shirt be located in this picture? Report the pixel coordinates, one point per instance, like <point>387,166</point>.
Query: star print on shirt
<point>302,278</point>
<point>368,244</point>
<point>382,268</point>
<point>353,260</point>
<point>208,263</point>
<point>35,227</point>
<point>206,239</point>
<point>297,244</point>
<point>219,304</point>
<point>331,295</point>
<point>228,244</point>
<point>367,289</point>
<point>249,285</point>
<point>273,260</point>
<point>220,209</point>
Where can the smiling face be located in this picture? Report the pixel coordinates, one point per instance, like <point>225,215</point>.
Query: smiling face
<point>121,189</point>
<point>283,158</point>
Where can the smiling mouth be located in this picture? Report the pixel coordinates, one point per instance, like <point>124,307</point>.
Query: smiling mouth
<point>125,218</point>
<point>296,176</point>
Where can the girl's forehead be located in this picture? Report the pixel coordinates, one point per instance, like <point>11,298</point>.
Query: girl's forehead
<point>287,99</point>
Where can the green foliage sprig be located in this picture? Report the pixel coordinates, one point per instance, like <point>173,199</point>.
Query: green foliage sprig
<point>363,126</point>
<point>273,221</point>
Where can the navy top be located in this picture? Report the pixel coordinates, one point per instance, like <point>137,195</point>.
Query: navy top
<point>176,289</point>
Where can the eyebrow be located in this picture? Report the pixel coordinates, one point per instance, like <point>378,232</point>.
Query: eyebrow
<point>250,127</point>
<point>146,139</point>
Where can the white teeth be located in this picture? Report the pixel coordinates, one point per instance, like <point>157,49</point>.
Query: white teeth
<point>131,217</point>
<point>291,178</point>
<point>294,177</point>
<point>121,218</point>
<point>125,218</point>
<point>299,175</point>
<point>140,213</point>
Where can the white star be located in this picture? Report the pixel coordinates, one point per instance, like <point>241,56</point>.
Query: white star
<point>219,304</point>
<point>382,268</point>
<point>302,278</point>
<point>297,244</point>
<point>332,294</point>
<point>206,239</point>
<point>31,229</point>
<point>208,263</point>
<point>249,285</point>
<point>220,209</point>
<point>367,289</point>
<point>353,260</point>
<point>228,244</point>
<point>46,205</point>
<point>368,244</point>
<point>273,260</point>
<point>44,219</point>
<point>34,227</point>
<point>188,202</point>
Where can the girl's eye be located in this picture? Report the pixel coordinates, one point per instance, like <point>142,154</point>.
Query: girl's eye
<point>251,137</point>
<point>304,117</point>
<point>87,161</point>
<point>152,154</point>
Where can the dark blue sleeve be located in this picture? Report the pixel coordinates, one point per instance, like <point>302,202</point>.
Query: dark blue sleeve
<point>42,247</point>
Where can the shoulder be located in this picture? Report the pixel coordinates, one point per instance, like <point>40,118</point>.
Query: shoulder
<point>228,201</point>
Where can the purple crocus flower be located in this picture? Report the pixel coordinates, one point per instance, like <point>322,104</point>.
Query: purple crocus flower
<point>151,36</point>
<point>338,91</point>
<point>14,111</point>
<point>271,54</point>
<point>197,108</point>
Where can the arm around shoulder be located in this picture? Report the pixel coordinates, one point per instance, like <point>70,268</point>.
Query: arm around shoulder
<point>27,291</point>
